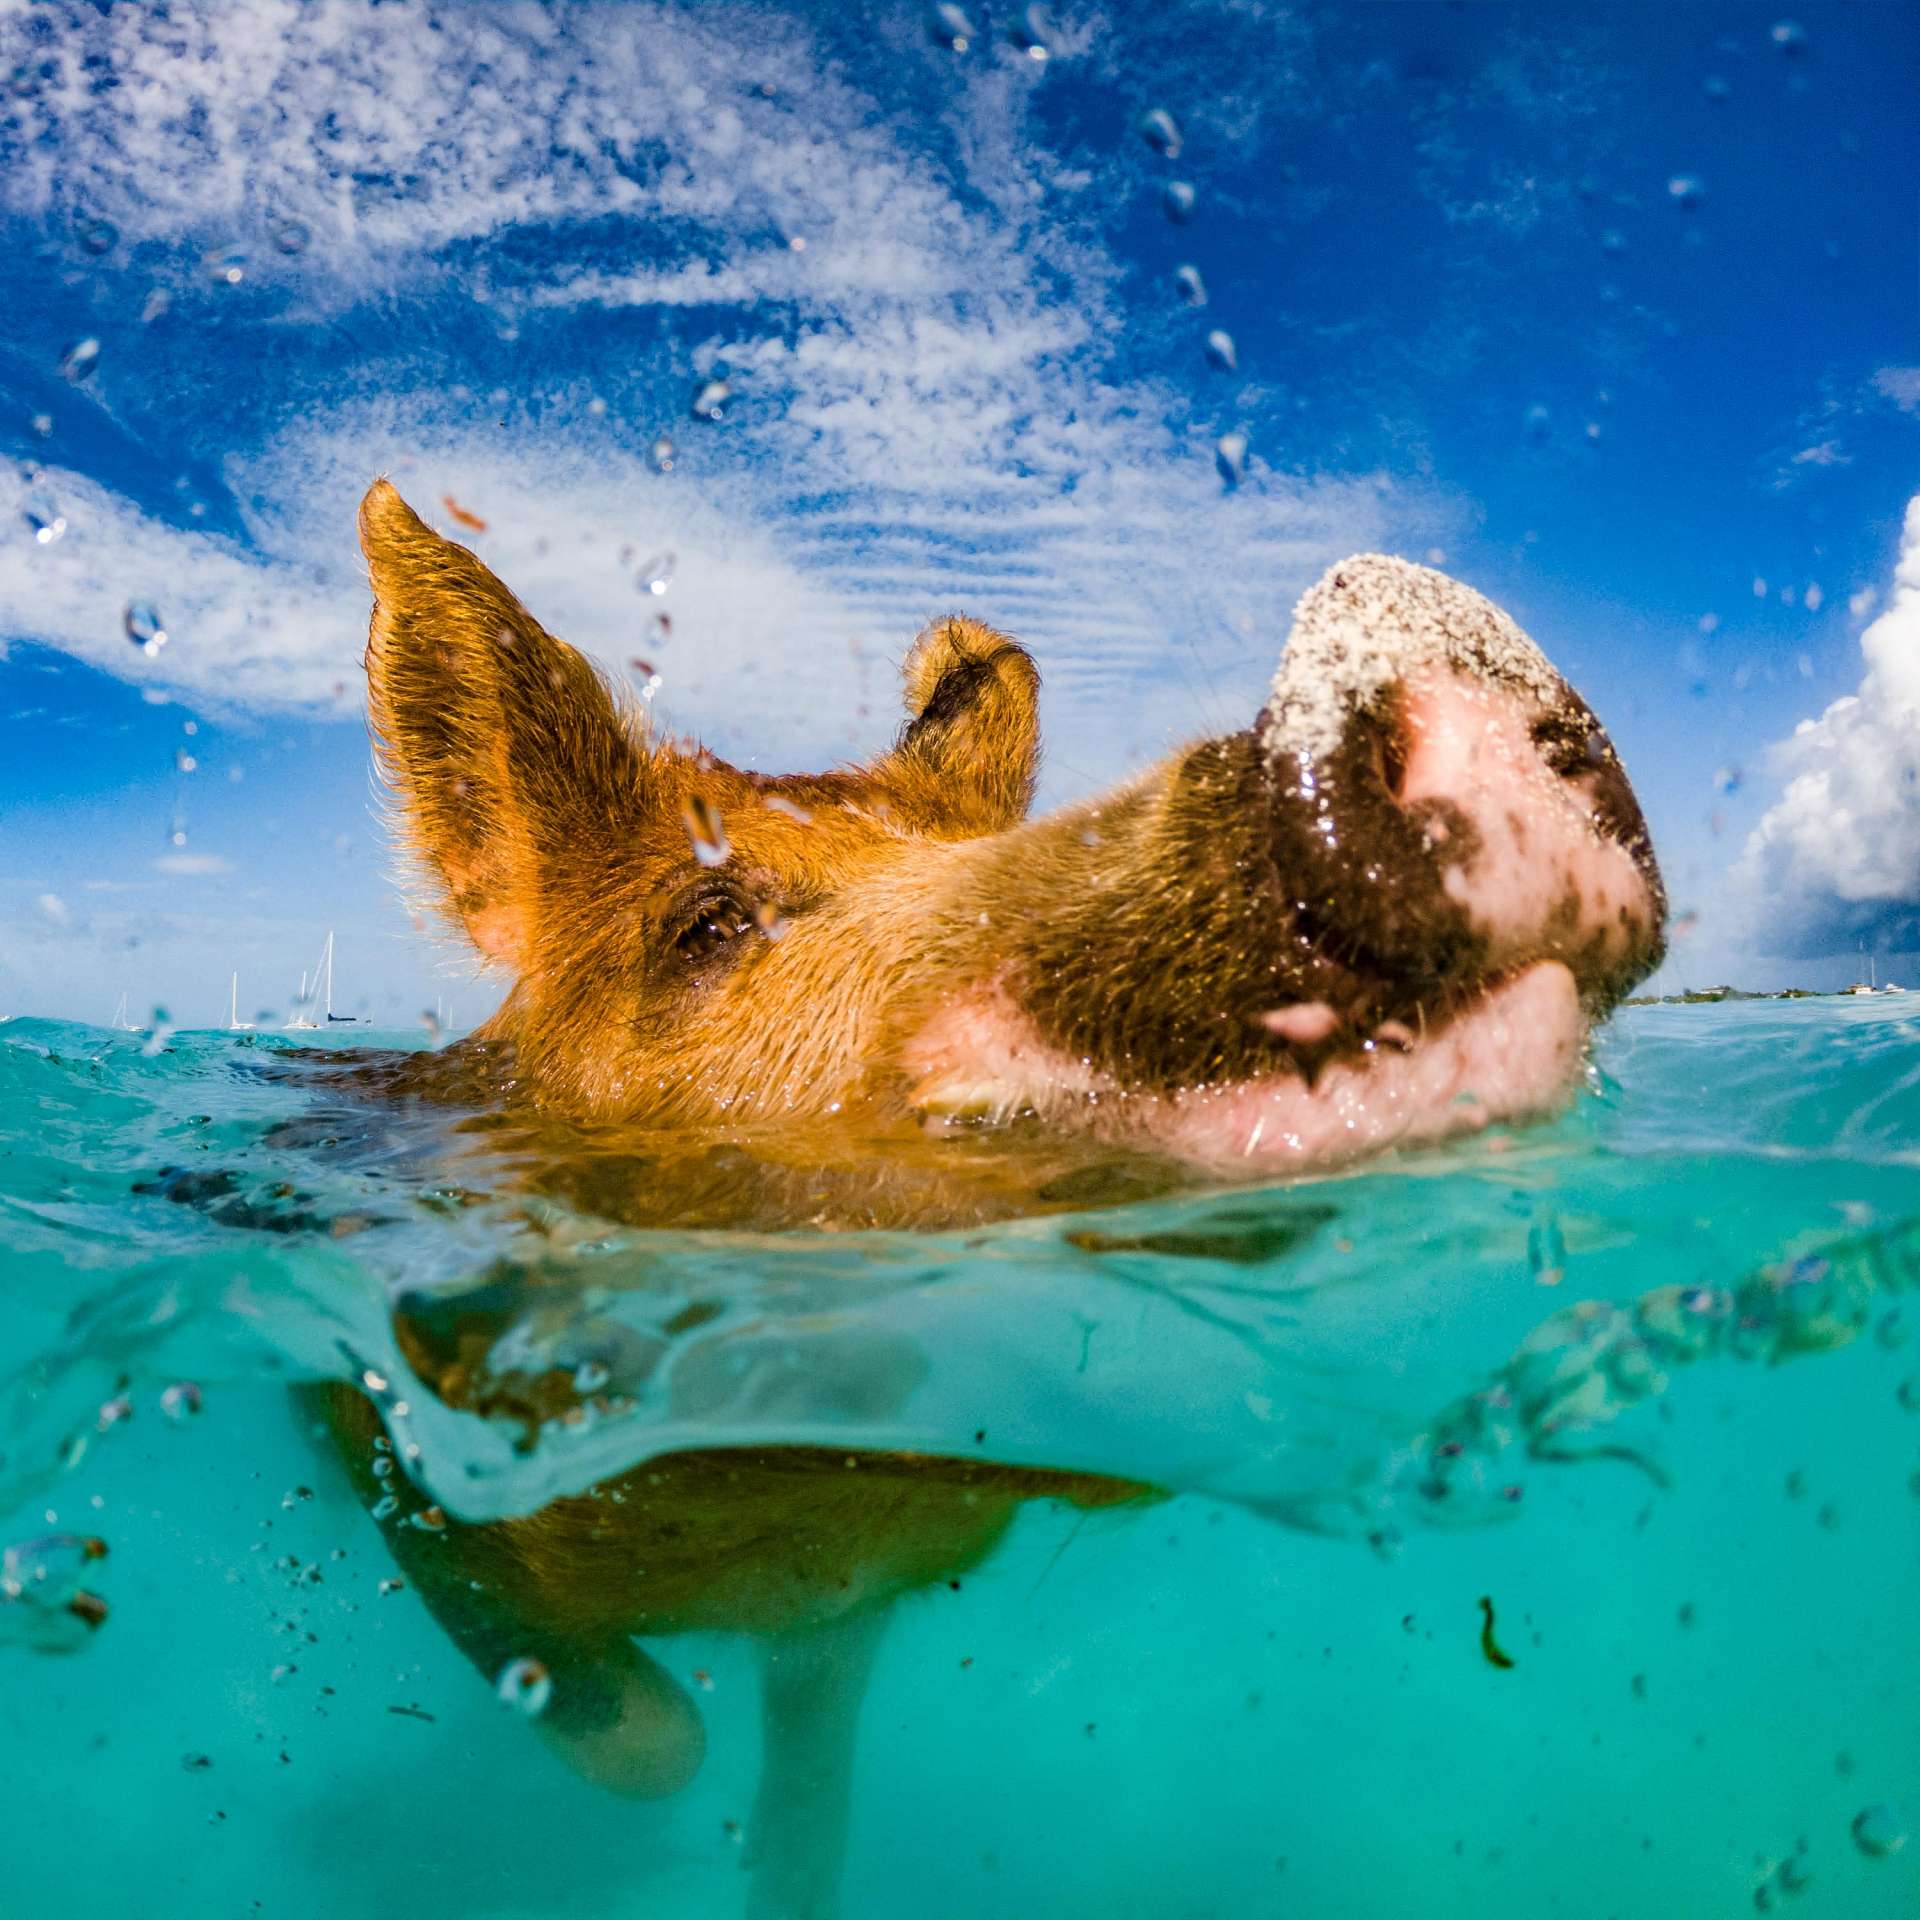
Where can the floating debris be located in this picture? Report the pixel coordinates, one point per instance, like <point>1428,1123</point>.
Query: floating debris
<point>706,831</point>
<point>463,515</point>
<point>1178,201</point>
<point>1488,1645</point>
<point>1161,131</point>
<point>525,1685</point>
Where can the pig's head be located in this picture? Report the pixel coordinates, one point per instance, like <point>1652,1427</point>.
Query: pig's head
<point>1385,912</point>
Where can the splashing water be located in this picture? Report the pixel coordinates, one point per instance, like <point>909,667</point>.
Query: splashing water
<point>1566,1371</point>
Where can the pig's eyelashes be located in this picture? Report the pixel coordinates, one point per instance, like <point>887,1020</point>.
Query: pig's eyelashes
<point>713,919</point>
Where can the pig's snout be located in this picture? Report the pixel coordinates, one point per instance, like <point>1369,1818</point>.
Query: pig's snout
<point>1447,809</point>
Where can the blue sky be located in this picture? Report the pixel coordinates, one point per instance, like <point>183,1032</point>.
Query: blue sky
<point>1615,311</point>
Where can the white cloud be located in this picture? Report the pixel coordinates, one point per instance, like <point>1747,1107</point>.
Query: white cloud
<point>935,405</point>
<point>1836,860</point>
<point>1901,385</point>
<point>187,865</point>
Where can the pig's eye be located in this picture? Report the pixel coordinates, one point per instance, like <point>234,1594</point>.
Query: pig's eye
<point>711,929</point>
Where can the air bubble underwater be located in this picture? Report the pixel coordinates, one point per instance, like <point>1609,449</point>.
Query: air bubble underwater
<point>1878,1832</point>
<point>525,1685</point>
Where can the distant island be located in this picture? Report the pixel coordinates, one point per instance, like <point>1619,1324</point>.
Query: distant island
<point>1712,996</point>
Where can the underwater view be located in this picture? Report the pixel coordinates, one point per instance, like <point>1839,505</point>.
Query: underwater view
<point>959,960</point>
<point>1525,1527</point>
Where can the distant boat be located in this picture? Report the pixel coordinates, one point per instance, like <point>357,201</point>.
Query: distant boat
<point>234,1023</point>
<point>121,1024</point>
<point>321,984</point>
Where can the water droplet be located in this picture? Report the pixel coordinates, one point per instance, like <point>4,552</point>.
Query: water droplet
<point>97,236</point>
<point>1687,190</point>
<point>184,762</point>
<point>385,1507</point>
<point>181,1401</point>
<point>1221,352</point>
<point>590,1376</point>
<point>779,803</point>
<point>391,1586</point>
<point>144,626</point>
<point>657,575</point>
<point>1230,457</point>
<point>1546,1252</point>
<point>1032,33</point>
<point>949,27</point>
<point>1178,201</point>
<point>157,303</point>
<point>226,266</point>
<point>706,831</point>
<point>1613,241</point>
<point>43,516</point>
<point>1716,87</point>
<point>1727,780</point>
<point>1188,284</point>
<point>525,1685</point>
<point>1161,131</point>
<point>290,237</point>
<point>383,1466</point>
<point>42,425</point>
<point>661,453</point>
<point>660,627</point>
<point>80,359</point>
<point>1790,37</point>
<point>710,401</point>
<point>1879,1831</point>
<point>1538,422</point>
<point>769,919</point>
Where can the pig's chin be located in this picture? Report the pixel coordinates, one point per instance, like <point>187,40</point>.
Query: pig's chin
<point>1511,1053</point>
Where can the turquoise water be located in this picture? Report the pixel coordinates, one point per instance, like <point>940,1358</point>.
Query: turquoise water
<point>1647,1377</point>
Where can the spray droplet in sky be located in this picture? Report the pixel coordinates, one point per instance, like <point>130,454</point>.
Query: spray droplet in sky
<point>1161,131</point>
<point>144,627</point>
<point>1178,201</point>
<point>662,452</point>
<point>657,575</point>
<point>80,359</point>
<point>43,516</point>
<point>706,831</point>
<point>949,27</point>
<point>1188,284</point>
<point>1687,190</point>
<point>1230,457</point>
<point>710,399</point>
<point>1032,33</point>
<point>1221,352</point>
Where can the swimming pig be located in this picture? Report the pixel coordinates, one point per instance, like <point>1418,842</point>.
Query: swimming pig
<point>1382,913</point>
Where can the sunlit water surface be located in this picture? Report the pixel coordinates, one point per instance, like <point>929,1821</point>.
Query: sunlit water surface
<point>1647,1378</point>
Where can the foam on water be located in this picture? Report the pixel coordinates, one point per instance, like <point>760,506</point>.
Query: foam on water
<point>1266,1696</point>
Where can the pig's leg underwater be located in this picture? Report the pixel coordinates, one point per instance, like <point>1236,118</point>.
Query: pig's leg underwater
<point>813,1683</point>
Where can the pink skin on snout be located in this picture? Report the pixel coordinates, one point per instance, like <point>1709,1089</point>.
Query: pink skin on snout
<point>1540,874</point>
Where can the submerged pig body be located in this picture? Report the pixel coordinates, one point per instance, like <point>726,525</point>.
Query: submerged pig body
<point>1385,912</point>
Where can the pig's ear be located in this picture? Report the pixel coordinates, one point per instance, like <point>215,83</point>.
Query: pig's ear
<point>971,746</point>
<point>517,783</point>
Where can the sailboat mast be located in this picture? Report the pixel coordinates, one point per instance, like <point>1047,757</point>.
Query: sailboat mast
<point>329,973</point>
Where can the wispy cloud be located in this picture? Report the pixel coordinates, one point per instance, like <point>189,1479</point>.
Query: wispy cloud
<point>1836,860</point>
<point>934,400</point>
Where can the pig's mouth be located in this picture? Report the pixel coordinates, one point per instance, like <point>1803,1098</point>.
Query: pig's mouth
<point>1509,1053</point>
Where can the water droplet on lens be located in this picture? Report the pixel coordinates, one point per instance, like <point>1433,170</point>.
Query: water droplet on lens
<point>657,575</point>
<point>43,516</point>
<point>1538,423</point>
<point>385,1507</point>
<point>1687,190</point>
<point>525,1685</point>
<point>97,236</point>
<point>661,453</point>
<point>144,626</point>
<point>1221,352</point>
<point>710,399</point>
<point>290,237</point>
<point>1230,457</point>
<point>80,359</point>
<point>1879,1831</point>
<point>226,266</point>
<point>1161,131</point>
<point>949,27</point>
<point>706,832</point>
<point>1178,201</point>
<point>1188,284</point>
<point>1790,37</point>
<point>1032,33</point>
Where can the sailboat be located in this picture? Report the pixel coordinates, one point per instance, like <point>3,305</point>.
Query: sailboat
<point>234,1023</point>
<point>321,983</point>
<point>121,1024</point>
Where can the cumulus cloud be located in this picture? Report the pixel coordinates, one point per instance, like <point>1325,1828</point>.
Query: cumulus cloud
<point>934,403</point>
<point>1836,860</point>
